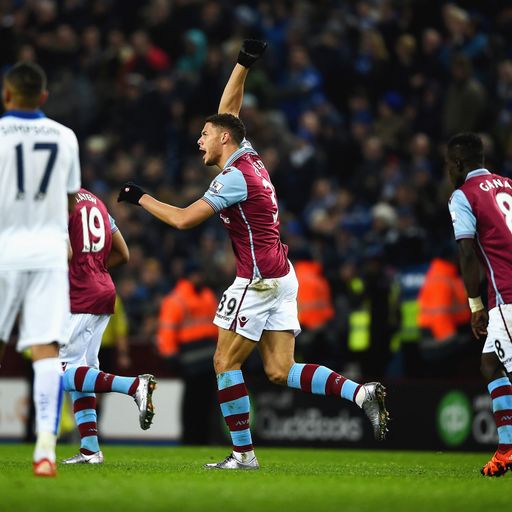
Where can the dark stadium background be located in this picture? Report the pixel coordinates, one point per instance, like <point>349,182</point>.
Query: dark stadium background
<point>350,109</point>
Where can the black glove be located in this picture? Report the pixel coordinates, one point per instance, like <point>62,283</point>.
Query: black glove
<point>131,193</point>
<point>251,51</point>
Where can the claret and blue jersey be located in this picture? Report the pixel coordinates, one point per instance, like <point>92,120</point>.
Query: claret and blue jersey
<point>482,209</point>
<point>244,196</point>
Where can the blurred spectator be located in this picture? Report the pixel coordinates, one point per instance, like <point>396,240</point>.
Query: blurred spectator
<point>147,60</point>
<point>466,100</point>
<point>186,338</point>
<point>350,108</point>
<point>444,318</point>
<point>115,350</point>
<point>300,83</point>
<point>315,308</point>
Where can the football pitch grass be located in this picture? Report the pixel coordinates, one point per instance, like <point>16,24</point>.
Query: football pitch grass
<point>153,479</point>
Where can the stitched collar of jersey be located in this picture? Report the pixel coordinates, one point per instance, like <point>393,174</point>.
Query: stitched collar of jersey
<point>24,114</point>
<point>476,172</point>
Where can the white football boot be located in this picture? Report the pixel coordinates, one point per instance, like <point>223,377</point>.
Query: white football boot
<point>80,458</point>
<point>143,399</point>
<point>230,462</point>
<point>374,407</point>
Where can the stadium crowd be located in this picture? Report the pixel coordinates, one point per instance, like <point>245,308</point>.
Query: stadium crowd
<point>350,110</point>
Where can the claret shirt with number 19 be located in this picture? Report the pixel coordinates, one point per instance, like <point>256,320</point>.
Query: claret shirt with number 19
<point>91,288</point>
<point>481,209</point>
<point>245,198</point>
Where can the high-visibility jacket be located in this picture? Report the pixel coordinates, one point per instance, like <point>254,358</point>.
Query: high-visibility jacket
<point>314,295</point>
<point>186,320</point>
<point>443,301</point>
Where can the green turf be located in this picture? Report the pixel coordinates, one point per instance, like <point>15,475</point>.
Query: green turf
<point>172,479</point>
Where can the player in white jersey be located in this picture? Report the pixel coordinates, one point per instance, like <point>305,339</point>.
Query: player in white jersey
<point>39,169</point>
<point>260,307</point>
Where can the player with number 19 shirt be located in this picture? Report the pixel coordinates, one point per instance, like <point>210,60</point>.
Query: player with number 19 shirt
<point>90,235</point>
<point>97,245</point>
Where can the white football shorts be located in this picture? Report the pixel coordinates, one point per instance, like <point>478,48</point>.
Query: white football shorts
<point>85,332</point>
<point>249,306</point>
<point>499,334</point>
<point>42,299</point>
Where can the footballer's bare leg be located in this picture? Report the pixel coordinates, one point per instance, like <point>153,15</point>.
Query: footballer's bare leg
<point>232,351</point>
<point>47,401</point>
<point>277,347</point>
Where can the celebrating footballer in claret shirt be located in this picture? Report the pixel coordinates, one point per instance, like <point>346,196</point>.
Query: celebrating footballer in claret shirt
<point>97,245</point>
<point>260,307</point>
<point>481,210</point>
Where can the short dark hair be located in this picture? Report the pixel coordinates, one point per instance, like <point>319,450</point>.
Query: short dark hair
<point>468,148</point>
<point>28,81</point>
<point>231,123</point>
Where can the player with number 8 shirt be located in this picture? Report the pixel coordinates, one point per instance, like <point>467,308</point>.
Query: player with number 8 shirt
<point>481,211</point>
<point>260,307</point>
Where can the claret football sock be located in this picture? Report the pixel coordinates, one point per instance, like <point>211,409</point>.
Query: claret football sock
<point>235,406</point>
<point>501,395</point>
<point>91,380</point>
<point>84,409</point>
<point>313,378</point>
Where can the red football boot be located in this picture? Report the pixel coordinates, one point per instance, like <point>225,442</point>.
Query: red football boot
<point>45,467</point>
<point>498,465</point>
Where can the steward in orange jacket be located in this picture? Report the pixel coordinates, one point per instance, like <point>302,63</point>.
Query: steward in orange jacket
<point>314,295</point>
<point>443,303</point>
<point>186,337</point>
<point>316,309</point>
<point>186,327</point>
<point>444,321</point>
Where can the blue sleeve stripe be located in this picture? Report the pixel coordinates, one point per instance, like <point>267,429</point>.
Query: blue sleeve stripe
<point>215,209</point>
<point>464,235</point>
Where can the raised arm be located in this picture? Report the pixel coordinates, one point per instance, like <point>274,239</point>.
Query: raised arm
<point>231,100</point>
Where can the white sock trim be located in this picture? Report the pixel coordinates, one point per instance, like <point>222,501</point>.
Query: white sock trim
<point>361,395</point>
<point>244,456</point>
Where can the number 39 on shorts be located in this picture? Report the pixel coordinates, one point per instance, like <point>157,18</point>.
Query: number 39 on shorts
<point>226,306</point>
